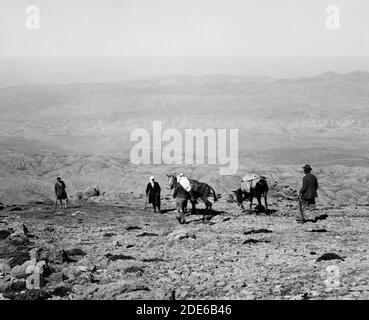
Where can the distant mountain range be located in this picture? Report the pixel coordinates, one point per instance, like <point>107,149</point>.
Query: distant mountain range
<point>322,120</point>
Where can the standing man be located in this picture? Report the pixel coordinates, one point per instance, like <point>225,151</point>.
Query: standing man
<point>153,193</point>
<point>308,192</point>
<point>60,193</point>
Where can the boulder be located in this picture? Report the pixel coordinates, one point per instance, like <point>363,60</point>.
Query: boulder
<point>12,285</point>
<point>4,234</point>
<point>29,295</point>
<point>79,195</point>
<point>93,191</point>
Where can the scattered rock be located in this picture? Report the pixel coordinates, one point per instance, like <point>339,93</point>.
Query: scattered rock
<point>18,240</point>
<point>79,195</point>
<point>319,230</point>
<point>8,286</point>
<point>49,229</point>
<point>75,252</point>
<point>4,234</point>
<point>360,288</point>
<point>329,256</point>
<point>109,234</point>
<point>93,191</point>
<point>61,291</point>
<point>16,209</point>
<point>252,241</point>
<point>115,257</point>
<point>29,295</point>
<point>147,234</point>
<point>66,258</point>
<point>25,229</point>
<point>133,269</point>
<point>181,234</point>
<point>76,213</point>
<point>152,260</point>
<point>254,231</point>
<point>113,290</point>
<point>133,228</point>
<point>57,277</point>
<point>19,258</point>
<point>321,217</point>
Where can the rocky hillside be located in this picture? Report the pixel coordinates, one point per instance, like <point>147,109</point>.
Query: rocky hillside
<point>104,251</point>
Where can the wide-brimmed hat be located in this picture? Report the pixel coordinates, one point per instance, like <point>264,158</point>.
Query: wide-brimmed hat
<point>307,167</point>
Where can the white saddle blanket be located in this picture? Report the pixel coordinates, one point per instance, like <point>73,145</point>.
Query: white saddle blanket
<point>249,181</point>
<point>185,183</point>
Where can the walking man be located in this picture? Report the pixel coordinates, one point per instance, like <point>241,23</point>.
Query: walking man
<point>60,193</point>
<point>153,193</point>
<point>308,192</point>
<point>181,196</point>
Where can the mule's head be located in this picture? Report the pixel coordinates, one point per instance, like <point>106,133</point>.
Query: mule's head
<point>172,181</point>
<point>240,195</point>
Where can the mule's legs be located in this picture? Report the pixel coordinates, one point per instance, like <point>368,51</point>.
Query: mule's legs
<point>185,206</point>
<point>240,198</point>
<point>193,211</point>
<point>208,206</point>
<point>183,213</point>
<point>259,203</point>
<point>266,201</point>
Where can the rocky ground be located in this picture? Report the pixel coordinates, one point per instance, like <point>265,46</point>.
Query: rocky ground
<point>118,250</point>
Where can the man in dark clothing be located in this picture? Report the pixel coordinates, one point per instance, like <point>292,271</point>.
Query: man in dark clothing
<point>153,193</point>
<point>60,193</point>
<point>308,192</point>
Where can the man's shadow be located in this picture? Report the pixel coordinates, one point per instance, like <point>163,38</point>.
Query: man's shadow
<point>203,213</point>
<point>168,210</point>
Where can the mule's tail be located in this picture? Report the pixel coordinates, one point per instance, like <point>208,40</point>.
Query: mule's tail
<point>214,194</point>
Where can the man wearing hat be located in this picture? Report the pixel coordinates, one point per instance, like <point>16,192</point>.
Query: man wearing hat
<point>308,192</point>
<point>60,193</point>
<point>153,193</point>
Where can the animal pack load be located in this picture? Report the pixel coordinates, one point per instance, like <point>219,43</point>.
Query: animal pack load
<point>185,183</point>
<point>249,181</point>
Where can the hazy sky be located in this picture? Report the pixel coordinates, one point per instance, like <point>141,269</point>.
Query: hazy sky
<point>180,37</point>
<point>184,27</point>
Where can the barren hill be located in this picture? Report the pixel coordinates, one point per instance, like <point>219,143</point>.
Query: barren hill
<point>81,131</point>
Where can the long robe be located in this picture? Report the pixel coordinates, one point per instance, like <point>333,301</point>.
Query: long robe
<point>60,192</point>
<point>154,193</point>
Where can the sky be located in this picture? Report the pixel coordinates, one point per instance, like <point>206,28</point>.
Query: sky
<point>184,29</point>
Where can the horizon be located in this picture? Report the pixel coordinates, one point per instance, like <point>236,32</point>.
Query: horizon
<point>28,71</point>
